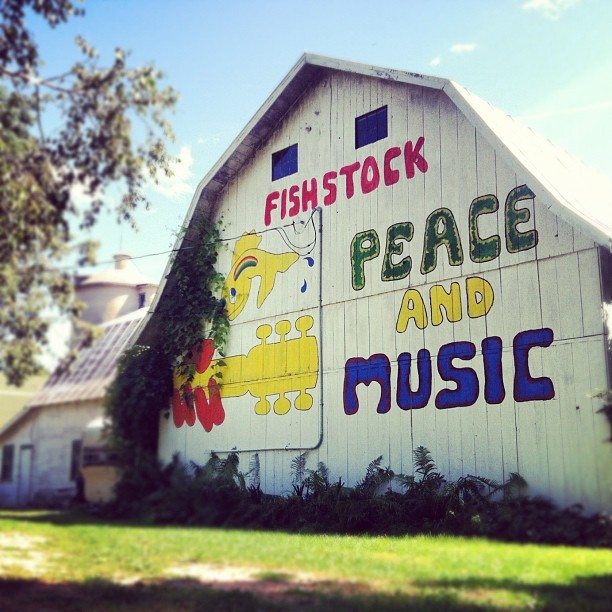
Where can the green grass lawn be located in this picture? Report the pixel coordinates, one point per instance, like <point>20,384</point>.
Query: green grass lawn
<point>61,561</point>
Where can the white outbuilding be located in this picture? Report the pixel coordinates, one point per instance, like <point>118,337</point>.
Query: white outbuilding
<point>41,445</point>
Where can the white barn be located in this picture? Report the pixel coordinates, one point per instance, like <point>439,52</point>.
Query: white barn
<point>406,266</point>
<point>41,445</point>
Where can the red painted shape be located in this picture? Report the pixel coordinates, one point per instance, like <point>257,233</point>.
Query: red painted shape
<point>348,172</point>
<point>209,409</point>
<point>202,355</point>
<point>215,402</point>
<point>370,167</point>
<point>270,206</point>
<point>310,194</point>
<point>203,409</point>
<point>330,187</point>
<point>190,415</point>
<point>391,176</point>
<point>179,408</point>
<point>182,407</point>
<point>294,198</point>
<point>413,157</point>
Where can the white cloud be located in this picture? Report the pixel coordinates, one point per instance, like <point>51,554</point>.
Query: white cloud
<point>206,140</point>
<point>435,61</point>
<point>179,183</point>
<point>463,48</point>
<point>551,9</point>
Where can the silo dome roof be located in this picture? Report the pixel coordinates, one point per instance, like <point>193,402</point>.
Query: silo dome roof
<point>124,273</point>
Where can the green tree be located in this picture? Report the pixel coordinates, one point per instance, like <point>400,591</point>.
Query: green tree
<point>89,128</point>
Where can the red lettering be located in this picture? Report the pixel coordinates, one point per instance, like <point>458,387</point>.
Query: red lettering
<point>391,176</point>
<point>270,206</point>
<point>348,172</point>
<point>283,203</point>
<point>330,187</point>
<point>290,202</point>
<point>369,184</point>
<point>309,196</point>
<point>413,157</point>
<point>295,200</point>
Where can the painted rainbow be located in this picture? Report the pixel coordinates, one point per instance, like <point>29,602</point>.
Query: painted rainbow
<point>243,264</point>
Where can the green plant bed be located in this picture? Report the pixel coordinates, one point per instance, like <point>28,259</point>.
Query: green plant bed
<point>382,503</point>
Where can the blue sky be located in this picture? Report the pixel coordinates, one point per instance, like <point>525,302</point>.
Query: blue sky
<point>547,62</point>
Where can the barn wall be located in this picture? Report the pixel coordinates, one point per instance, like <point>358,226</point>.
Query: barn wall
<point>19,438</point>
<point>317,315</point>
<point>50,432</point>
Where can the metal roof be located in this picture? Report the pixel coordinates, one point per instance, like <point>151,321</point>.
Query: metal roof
<point>569,188</point>
<point>90,375</point>
<point>95,367</point>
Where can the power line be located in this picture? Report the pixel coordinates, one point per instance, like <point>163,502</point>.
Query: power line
<point>229,239</point>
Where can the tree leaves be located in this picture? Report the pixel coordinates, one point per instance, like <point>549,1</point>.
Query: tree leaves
<point>92,127</point>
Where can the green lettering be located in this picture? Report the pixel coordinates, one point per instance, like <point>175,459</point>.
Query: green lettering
<point>440,228</point>
<point>483,249</point>
<point>395,235</point>
<point>517,241</point>
<point>365,246</point>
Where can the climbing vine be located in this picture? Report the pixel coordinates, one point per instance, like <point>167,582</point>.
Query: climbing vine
<point>190,313</point>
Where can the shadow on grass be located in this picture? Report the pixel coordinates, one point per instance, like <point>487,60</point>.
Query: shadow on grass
<point>588,594</point>
<point>584,594</point>
<point>191,596</point>
<point>66,518</point>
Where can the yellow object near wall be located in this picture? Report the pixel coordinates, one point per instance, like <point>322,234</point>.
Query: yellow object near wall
<point>100,481</point>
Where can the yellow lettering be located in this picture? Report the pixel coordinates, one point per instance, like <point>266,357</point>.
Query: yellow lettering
<point>412,307</point>
<point>451,302</point>
<point>479,296</point>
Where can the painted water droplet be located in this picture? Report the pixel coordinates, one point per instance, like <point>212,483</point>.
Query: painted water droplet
<point>303,287</point>
<point>310,261</point>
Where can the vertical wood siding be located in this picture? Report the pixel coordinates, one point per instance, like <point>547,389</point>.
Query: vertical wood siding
<point>558,444</point>
<point>50,432</point>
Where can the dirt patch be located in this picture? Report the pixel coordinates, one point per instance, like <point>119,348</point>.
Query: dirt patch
<point>268,584</point>
<point>22,552</point>
<point>207,573</point>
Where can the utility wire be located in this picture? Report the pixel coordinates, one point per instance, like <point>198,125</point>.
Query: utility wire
<point>278,229</point>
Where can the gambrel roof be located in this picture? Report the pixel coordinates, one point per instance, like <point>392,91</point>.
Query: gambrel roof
<point>569,188</point>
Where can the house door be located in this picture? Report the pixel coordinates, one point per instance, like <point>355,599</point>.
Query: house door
<point>24,475</point>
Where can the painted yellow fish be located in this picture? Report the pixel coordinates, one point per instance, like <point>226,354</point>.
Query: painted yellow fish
<point>248,262</point>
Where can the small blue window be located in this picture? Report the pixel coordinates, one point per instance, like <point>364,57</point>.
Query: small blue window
<point>371,127</point>
<point>285,162</point>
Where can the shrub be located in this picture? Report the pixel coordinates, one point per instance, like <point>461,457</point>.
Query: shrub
<point>382,502</point>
